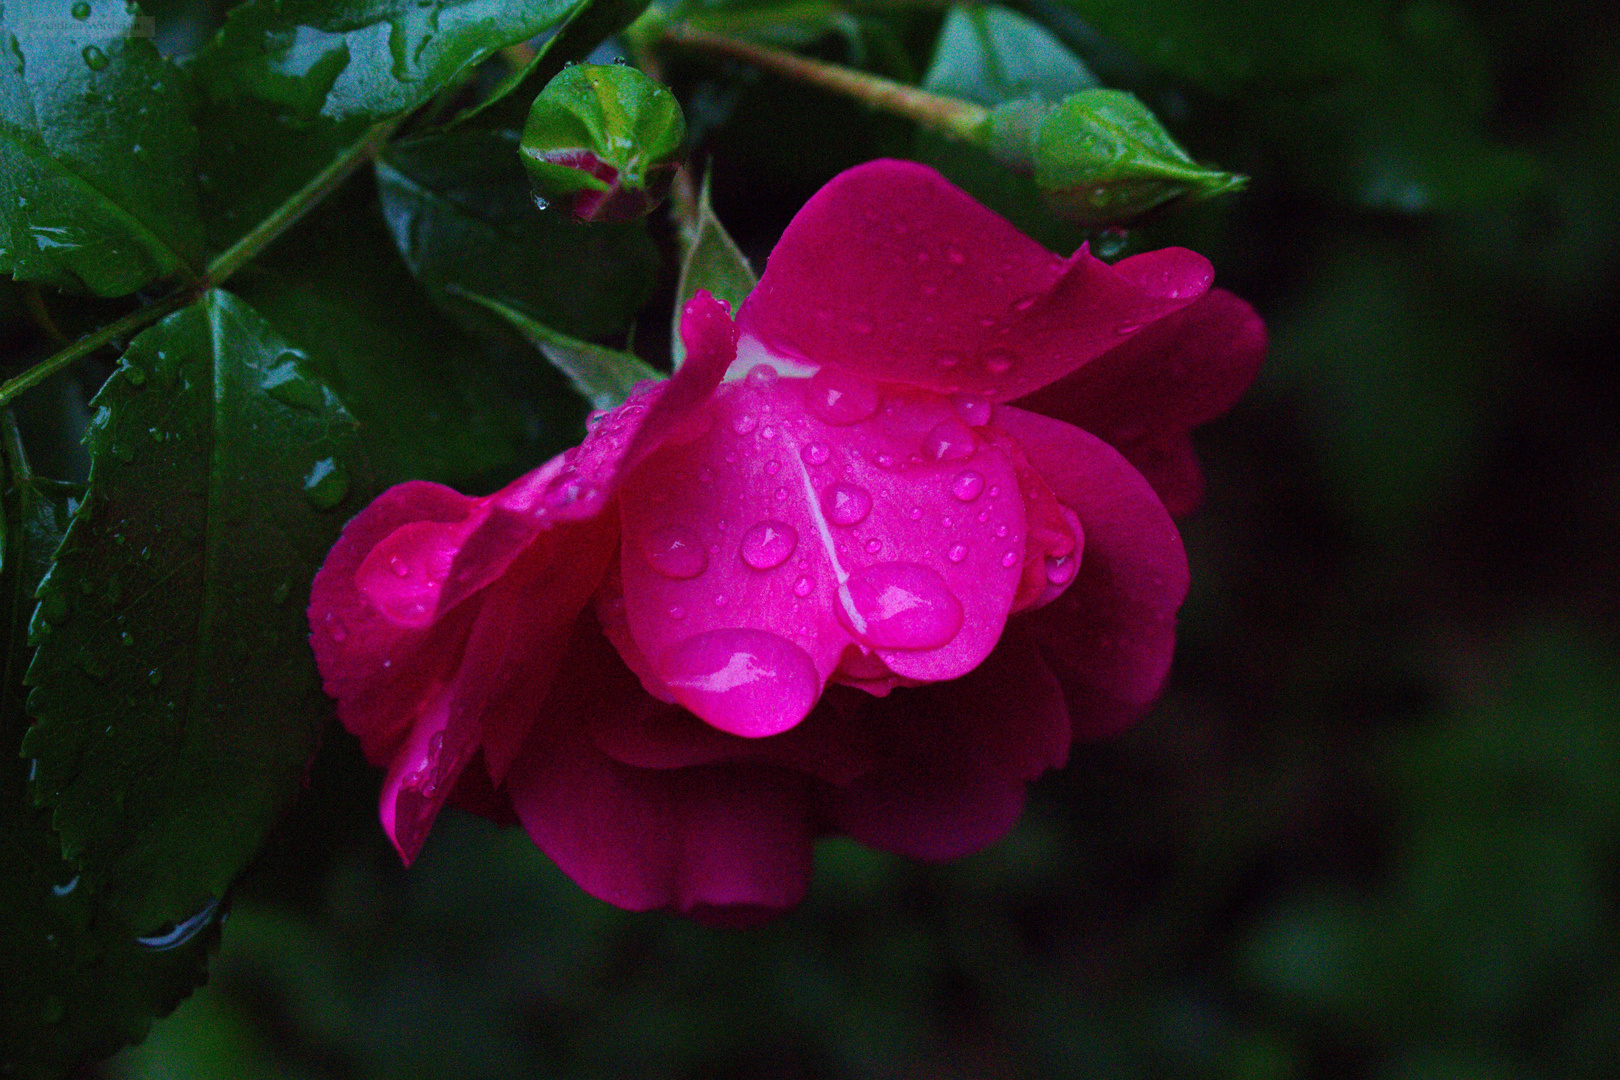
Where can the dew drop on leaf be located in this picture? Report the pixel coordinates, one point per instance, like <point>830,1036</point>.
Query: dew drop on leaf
<point>326,484</point>
<point>94,58</point>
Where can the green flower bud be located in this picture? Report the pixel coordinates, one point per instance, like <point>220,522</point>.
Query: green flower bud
<point>1103,158</point>
<point>603,140</point>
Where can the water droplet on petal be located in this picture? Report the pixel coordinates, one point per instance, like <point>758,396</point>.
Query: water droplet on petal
<point>948,360</point>
<point>594,418</point>
<point>1010,559</point>
<point>677,613</point>
<point>956,257</point>
<point>674,553</point>
<point>1001,532</point>
<point>761,376</point>
<point>967,485</point>
<point>1060,570</point>
<point>950,440</point>
<point>815,454</point>
<point>973,410</point>
<point>1024,303</point>
<point>772,468</point>
<point>397,565</point>
<point>743,423</point>
<point>803,586</point>
<point>998,361</point>
<point>846,504</point>
<point>957,553</point>
<point>838,398</point>
<point>899,606</point>
<point>768,432</point>
<point>915,513</point>
<point>743,681</point>
<point>767,544</point>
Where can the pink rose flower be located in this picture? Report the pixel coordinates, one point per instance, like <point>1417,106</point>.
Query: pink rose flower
<point>866,564</point>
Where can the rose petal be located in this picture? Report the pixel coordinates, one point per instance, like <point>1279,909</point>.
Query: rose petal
<point>887,522</point>
<point>380,671</point>
<point>1146,394</point>
<point>892,272</point>
<point>959,757</point>
<point>1111,634</point>
<point>700,839</point>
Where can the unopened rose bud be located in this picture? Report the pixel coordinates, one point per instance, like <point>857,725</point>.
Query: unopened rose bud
<point>1102,158</point>
<point>603,141</point>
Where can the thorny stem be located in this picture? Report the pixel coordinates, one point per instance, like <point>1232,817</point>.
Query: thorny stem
<point>229,262</point>
<point>947,115</point>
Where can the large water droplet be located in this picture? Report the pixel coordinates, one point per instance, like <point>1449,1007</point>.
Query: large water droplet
<point>762,376</point>
<point>743,681</point>
<point>838,398</point>
<point>967,485</point>
<point>957,553</point>
<point>674,553</point>
<point>815,454</point>
<point>846,504</point>
<point>94,58</point>
<point>803,586</point>
<point>973,410</point>
<point>768,544</point>
<point>950,440</point>
<point>899,606</point>
<point>287,384</point>
<point>873,545</point>
<point>1060,570</point>
<point>327,484</point>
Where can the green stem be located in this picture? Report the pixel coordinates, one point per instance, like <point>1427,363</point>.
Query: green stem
<point>306,198</point>
<point>947,115</point>
<point>91,342</point>
<point>229,262</point>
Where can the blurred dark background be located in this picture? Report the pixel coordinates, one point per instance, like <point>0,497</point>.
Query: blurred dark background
<point>1371,831</point>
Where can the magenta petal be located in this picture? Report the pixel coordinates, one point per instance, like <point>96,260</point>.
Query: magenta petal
<point>892,272</point>
<point>1111,634</point>
<point>895,526</point>
<point>695,840</point>
<point>1146,394</point>
<point>960,757</point>
<point>380,670</point>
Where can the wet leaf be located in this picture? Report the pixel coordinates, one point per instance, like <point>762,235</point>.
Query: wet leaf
<point>74,982</point>
<point>430,402</point>
<point>713,262</point>
<point>461,212</point>
<point>365,59</point>
<point>287,86</point>
<point>591,23</point>
<point>98,188</point>
<point>176,702</point>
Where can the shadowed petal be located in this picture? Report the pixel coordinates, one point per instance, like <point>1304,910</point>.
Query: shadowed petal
<point>1110,635</point>
<point>1144,396</point>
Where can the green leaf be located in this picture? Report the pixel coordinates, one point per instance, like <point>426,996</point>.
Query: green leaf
<point>713,262</point>
<point>176,700</point>
<point>428,400</point>
<point>461,213</point>
<point>75,983</point>
<point>591,23</point>
<point>98,187</point>
<point>287,86</point>
<point>603,376</point>
<point>991,55</point>
<point>365,59</point>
